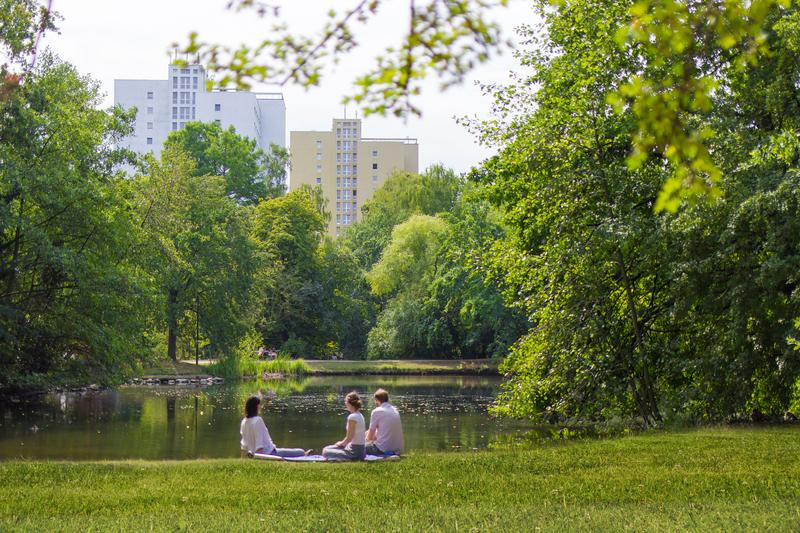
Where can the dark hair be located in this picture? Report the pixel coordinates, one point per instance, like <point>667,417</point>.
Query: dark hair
<point>381,395</point>
<point>354,400</point>
<point>251,406</point>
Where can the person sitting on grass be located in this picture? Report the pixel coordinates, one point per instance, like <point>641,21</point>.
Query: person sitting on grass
<point>352,447</point>
<point>385,435</point>
<point>255,435</point>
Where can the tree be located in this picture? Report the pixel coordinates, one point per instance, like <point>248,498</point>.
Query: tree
<point>22,24</point>
<point>250,174</point>
<point>401,196</point>
<point>197,247</point>
<point>437,304</point>
<point>288,231</point>
<point>348,307</point>
<point>583,255</point>
<point>633,313</point>
<point>410,258</point>
<point>72,305</point>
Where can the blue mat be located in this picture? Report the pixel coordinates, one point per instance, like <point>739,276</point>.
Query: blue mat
<point>319,458</point>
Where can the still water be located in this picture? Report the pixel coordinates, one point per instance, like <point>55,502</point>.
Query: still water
<point>438,413</point>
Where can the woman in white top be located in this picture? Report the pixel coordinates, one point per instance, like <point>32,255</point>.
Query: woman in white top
<point>255,435</point>
<point>353,446</point>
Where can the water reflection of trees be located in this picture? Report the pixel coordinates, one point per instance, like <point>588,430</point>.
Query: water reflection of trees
<point>439,412</point>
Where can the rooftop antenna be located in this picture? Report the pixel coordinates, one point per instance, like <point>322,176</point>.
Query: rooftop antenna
<point>345,111</point>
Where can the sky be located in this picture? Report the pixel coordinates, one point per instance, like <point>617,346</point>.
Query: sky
<point>114,39</point>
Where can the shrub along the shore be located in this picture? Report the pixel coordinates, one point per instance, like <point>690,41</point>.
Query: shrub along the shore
<point>708,479</point>
<point>238,368</point>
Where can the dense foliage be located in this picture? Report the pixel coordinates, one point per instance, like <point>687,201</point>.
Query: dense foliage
<point>250,173</point>
<point>70,302</point>
<point>633,312</point>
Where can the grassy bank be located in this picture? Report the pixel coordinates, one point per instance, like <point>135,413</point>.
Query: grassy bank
<point>710,479</point>
<point>234,368</point>
<point>406,366</point>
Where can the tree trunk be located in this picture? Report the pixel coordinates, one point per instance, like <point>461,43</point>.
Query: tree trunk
<point>648,404</point>
<point>172,324</point>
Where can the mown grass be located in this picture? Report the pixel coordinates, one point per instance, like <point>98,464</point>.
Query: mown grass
<point>406,366</point>
<point>705,480</point>
<point>238,368</point>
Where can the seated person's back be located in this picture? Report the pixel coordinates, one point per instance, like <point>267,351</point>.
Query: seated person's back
<point>385,428</point>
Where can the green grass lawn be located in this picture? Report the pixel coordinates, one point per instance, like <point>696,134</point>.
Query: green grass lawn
<point>717,479</point>
<point>406,366</point>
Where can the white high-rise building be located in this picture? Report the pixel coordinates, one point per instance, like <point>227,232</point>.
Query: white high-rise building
<point>167,105</point>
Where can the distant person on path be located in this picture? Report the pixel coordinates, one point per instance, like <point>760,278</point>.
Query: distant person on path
<point>255,435</point>
<point>352,447</point>
<point>385,435</point>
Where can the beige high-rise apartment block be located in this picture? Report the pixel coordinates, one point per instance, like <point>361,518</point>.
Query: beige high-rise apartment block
<point>348,167</point>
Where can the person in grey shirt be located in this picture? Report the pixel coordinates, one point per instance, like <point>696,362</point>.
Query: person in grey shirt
<point>385,435</point>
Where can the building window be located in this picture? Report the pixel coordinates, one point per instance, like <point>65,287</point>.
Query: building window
<point>149,95</point>
<point>319,145</point>
<point>338,219</point>
<point>175,82</point>
<point>355,180</point>
<point>338,182</point>
<point>218,122</point>
<point>338,194</point>
<point>319,168</point>
<point>217,107</point>
<point>374,166</point>
<point>184,71</point>
<point>149,140</point>
<point>374,153</point>
<point>149,125</point>
<point>174,112</point>
<point>194,71</point>
<point>319,156</point>
<point>175,97</point>
<point>149,110</point>
<point>194,82</point>
<point>319,181</point>
<point>174,126</point>
<point>354,194</point>
<point>193,113</point>
<point>374,179</point>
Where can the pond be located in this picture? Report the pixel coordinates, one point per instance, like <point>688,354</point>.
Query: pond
<point>438,413</point>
